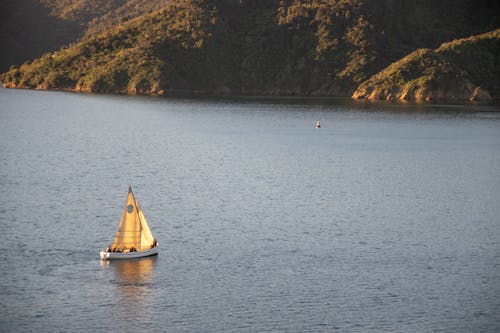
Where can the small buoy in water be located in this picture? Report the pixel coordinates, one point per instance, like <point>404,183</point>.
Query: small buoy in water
<point>318,124</point>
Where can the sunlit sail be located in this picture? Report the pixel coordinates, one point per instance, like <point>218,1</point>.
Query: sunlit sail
<point>134,238</point>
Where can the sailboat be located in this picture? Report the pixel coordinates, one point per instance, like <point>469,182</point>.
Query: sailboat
<point>134,238</point>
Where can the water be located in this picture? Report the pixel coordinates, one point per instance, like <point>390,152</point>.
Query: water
<point>385,219</point>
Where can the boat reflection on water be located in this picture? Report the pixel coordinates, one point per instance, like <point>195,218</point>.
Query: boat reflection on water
<point>134,279</point>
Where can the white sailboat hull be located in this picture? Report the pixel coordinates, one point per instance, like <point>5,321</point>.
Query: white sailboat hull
<point>128,255</point>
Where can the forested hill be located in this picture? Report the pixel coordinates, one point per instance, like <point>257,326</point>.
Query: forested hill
<point>465,69</point>
<point>243,47</point>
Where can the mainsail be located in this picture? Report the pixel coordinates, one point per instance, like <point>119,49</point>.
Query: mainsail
<point>133,232</point>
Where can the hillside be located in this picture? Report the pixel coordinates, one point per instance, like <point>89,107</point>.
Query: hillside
<point>99,15</point>
<point>27,31</point>
<point>466,69</point>
<point>243,47</point>
<point>129,59</point>
<point>30,28</point>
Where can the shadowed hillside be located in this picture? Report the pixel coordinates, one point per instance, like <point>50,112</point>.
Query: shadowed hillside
<point>244,47</point>
<point>27,31</point>
<point>29,28</point>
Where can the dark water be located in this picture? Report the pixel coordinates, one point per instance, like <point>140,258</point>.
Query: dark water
<point>382,220</point>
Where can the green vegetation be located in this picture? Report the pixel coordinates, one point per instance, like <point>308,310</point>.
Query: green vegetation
<point>291,47</point>
<point>130,59</point>
<point>464,69</point>
<point>99,15</point>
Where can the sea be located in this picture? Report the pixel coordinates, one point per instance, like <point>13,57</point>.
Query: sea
<point>385,219</point>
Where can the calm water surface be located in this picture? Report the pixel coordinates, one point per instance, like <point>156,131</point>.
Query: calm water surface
<point>382,220</point>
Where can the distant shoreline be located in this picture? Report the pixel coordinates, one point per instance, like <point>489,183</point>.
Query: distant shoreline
<point>323,99</point>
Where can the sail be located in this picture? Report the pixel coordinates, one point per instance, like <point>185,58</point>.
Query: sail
<point>147,238</point>
<point>129,231</point>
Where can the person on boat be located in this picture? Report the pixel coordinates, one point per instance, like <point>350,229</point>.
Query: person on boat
<point>108,249</point>
<point>318,124</point>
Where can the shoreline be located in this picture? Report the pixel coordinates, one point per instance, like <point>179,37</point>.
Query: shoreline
<point>225,95</point>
